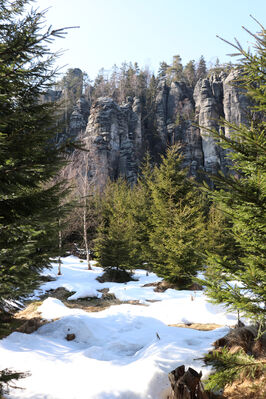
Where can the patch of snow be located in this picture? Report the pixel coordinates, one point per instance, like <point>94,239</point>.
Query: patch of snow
<point>125,351</point>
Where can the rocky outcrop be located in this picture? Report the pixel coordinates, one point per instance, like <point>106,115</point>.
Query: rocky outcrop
<point>235,102</point>
<point>78,118</point>
<point>175,109</point>
<point>112,142</point>
<point>208,96</point>
<point>115,136</point>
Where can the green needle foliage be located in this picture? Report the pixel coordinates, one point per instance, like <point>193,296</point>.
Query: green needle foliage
<point>8,378</point>
<point>123,236</point>
<point>240,282</point>
<point>29,200</point>
<point>177,231</point>
<point>230,367</point>
<point>115,244</point>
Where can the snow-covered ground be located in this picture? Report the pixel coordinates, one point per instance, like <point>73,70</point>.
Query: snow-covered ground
<point>125,351</point>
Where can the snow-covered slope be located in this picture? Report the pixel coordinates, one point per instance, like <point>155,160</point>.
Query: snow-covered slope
<point>123,352</point>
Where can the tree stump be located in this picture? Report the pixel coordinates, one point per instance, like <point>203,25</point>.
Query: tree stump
<point>186,384</point>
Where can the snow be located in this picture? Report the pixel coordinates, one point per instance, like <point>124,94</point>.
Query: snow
<point>125,351</point>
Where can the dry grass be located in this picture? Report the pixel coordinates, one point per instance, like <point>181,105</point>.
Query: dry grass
<point>255,389</point>
<point>198,326</point>
<point>29,312</point>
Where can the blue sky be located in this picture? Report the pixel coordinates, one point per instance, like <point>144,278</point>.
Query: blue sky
<point>149,31</point>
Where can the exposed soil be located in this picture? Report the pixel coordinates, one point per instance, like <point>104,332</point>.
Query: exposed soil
<point>87,304</point>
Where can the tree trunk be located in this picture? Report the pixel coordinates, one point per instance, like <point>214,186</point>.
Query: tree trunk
<point>186,384</point>
<point>85,235</point>
<point>60,249</point>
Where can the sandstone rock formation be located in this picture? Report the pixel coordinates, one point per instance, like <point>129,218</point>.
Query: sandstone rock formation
<point>115,138</point>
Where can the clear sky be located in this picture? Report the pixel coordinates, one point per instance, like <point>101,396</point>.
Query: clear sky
<point>149,31</point>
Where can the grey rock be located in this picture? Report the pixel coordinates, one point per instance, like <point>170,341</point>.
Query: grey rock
<point>112,139</point>
<point>115,138</point>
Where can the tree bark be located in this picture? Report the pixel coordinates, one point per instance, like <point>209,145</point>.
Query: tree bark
<point>186,384</point>
<point>85,235</point>
<point>59,248</point>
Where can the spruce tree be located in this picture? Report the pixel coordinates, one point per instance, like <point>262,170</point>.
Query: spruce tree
<point>220,236</point>
<point>140,214</point>
<point>190,73</point>
<point>177,221</point>
<point>29,200</point>
<point>201,72</point>
<point>240,283</point>
<point>115,242</point>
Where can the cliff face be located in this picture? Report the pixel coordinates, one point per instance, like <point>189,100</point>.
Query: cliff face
<point>113,138</point>
<point>116,139</point>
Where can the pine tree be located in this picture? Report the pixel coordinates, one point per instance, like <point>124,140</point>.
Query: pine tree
<point>29,201</point>
<point>241,196</point>
<point>177,221</point>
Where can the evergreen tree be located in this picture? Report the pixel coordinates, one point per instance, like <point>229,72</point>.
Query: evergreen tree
<point>140,213</point>
<point>232,367</point>
<point>219,235</point>
<point>163,67</point>
<point>112,244</point>
<point>241,196</point>
<point>115,242</point>
<point>72,83</point>
<point>175,71</point>
<point>201,72</point>
<point>29,201</point>
<point>190,73</point>
<point>177,221</point>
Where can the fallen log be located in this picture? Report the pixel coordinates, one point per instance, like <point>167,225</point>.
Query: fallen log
<point>186,384</point>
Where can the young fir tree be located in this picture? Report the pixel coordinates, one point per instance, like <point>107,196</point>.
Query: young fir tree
<point>241,196</point>
<point>140,213</point>
<point>219,235</point>
<point>177,222</point>
<point>115,242</point>
<point>29,201</point>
